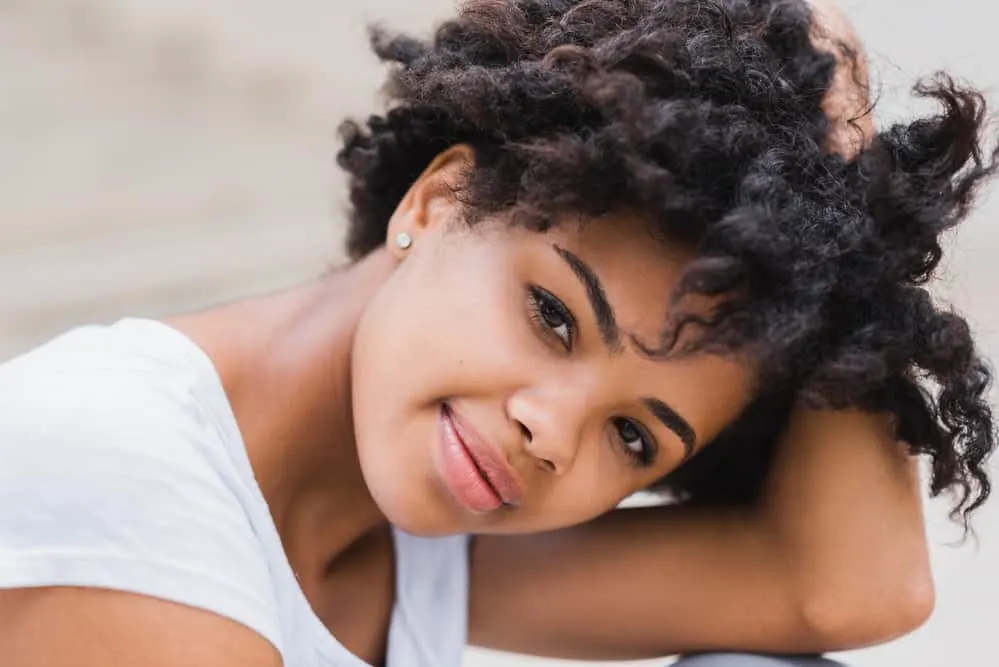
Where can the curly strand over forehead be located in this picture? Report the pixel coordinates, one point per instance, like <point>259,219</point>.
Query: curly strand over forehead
<point>708,118</point>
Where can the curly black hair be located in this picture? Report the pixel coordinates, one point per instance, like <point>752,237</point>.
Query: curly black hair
<point>706,116</point>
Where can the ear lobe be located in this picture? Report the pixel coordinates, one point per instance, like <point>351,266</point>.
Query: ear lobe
<point>431,198</point>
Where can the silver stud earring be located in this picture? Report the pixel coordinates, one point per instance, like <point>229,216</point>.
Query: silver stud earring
<point>404,241</point>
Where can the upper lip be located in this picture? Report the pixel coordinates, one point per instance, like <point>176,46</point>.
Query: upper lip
<point>494,467</point>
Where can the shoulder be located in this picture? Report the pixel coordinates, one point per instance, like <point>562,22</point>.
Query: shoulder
<point>139,369</point>
<point>108,404</point>
<point>114,474</point>
<point>133,394</point>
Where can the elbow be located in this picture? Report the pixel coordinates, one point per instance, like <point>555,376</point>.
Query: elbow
<point>871,615</point>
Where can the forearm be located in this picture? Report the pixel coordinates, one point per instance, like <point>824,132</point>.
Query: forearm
<point>642,583</point>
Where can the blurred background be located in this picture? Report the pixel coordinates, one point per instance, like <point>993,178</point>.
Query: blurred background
<point>162,155</point>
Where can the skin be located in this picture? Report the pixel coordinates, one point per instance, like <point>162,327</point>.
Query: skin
<point>338,384</point>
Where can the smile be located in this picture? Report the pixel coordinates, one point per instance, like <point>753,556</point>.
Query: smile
<point>477,475</point>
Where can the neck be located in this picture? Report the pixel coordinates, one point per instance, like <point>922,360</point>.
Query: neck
<point>284,360</point>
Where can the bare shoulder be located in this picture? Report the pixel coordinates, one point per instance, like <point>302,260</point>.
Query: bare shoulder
<point>86,627</point>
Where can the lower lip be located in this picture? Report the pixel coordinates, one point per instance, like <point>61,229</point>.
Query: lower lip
<point>461,475</point>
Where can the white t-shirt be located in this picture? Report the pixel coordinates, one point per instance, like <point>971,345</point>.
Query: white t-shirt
<point>122,467</point>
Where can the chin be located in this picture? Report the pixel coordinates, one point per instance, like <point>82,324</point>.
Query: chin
<point>419,521</point>
<point>411,504</point>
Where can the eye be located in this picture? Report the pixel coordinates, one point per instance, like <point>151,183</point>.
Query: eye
<point>552,315</point>
<point>636,441</point>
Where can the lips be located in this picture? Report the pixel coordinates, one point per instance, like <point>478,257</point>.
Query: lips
<point>476,474</point>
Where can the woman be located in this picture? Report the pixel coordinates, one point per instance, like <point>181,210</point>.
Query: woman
<point>599,246</point>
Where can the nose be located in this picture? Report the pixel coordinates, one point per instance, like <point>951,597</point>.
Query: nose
<point>551,422</point>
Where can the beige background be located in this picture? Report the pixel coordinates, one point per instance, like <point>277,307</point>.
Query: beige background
<point>158,155</point>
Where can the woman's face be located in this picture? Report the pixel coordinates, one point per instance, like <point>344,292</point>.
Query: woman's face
<point>496,384</point>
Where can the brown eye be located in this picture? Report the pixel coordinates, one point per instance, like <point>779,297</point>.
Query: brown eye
<point>636,441</point>
<point>553,315</point>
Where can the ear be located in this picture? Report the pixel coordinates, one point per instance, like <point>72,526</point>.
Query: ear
<point>431,199</point>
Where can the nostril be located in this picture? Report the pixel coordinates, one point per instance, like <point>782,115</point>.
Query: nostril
<point>526,432</point>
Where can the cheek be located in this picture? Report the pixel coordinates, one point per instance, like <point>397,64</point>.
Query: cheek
<point>433,332</point>
<point>461,331</point>
<point>441,327</point>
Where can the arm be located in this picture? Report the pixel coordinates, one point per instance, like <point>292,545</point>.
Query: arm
<point>77,627</point>
<point>833,558</point>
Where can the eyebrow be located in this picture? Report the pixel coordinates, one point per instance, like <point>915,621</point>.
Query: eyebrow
<point>595,294</point>
<point>674,422</point>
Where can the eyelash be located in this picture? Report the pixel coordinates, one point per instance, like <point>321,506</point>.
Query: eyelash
<point>549,313</point>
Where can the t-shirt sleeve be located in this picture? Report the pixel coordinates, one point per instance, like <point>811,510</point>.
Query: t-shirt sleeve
<point>104,482</point>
